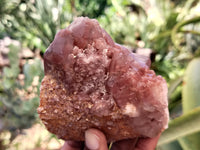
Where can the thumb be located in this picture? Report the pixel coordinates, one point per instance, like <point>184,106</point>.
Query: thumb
<point>95,140</point>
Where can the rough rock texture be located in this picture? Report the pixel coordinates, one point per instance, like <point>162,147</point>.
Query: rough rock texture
<point>92,82</point>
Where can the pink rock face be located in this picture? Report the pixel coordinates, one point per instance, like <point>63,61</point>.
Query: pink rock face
<point>92,82</point>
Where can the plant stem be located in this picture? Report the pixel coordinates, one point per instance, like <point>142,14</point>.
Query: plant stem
<point>177,28</point>
<point>190,32</point>
<point>110,146</point>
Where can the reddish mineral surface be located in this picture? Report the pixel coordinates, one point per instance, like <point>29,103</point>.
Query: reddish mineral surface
<point>92,82</point>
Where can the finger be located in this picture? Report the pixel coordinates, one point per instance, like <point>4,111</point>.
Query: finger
<point>72,145</point>
<point>147,143</point>
<point>128,144</point>
<point>95,140</point>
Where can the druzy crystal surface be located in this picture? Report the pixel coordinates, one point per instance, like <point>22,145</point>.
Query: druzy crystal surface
<point>92,82</point>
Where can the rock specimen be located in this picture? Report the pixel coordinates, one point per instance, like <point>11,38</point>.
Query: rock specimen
<point>92,82</point>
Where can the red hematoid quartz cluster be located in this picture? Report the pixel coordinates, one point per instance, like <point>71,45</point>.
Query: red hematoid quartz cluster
<point>92,82</point>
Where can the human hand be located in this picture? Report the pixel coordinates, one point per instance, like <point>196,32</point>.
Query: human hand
<point>96,140</point>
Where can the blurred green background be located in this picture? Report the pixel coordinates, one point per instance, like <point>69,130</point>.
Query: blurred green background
<point>167,31</point>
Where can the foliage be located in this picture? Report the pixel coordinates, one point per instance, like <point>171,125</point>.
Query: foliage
<point>170,28</point>
<point>181,126</point>
<point>19,97</point>
<point>36,22</point>
<point>190,100</point>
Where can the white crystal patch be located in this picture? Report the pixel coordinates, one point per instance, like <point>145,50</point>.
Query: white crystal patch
<point>130,110</point>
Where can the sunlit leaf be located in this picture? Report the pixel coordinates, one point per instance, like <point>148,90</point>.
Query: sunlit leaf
<point>173,85</point>
<point>170,146</point>
<point>32,70</point>
<point>181,126</point>
<point>191,100</point>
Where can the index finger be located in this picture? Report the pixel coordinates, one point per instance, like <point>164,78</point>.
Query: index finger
<point>147,143</point>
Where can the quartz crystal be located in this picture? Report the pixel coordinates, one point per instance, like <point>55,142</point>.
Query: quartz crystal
<point>92,82</point>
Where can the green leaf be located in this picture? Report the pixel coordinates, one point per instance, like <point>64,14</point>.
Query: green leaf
<point>32,70</point>
<point>1,103</point>
<point>118,7</point>
<point>190,95</point>
<point>181,126</point>
<point>173,85</point>
<point>8,83</point>
<point>13,55</point>
<point>190,142</point>
<point>11,72</point>
<point>170,146</point>
<point>7,72</point>
<point>191,86</point>
<point>178,27</point>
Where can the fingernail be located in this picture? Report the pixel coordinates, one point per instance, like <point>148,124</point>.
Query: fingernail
<point>91,140</point>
